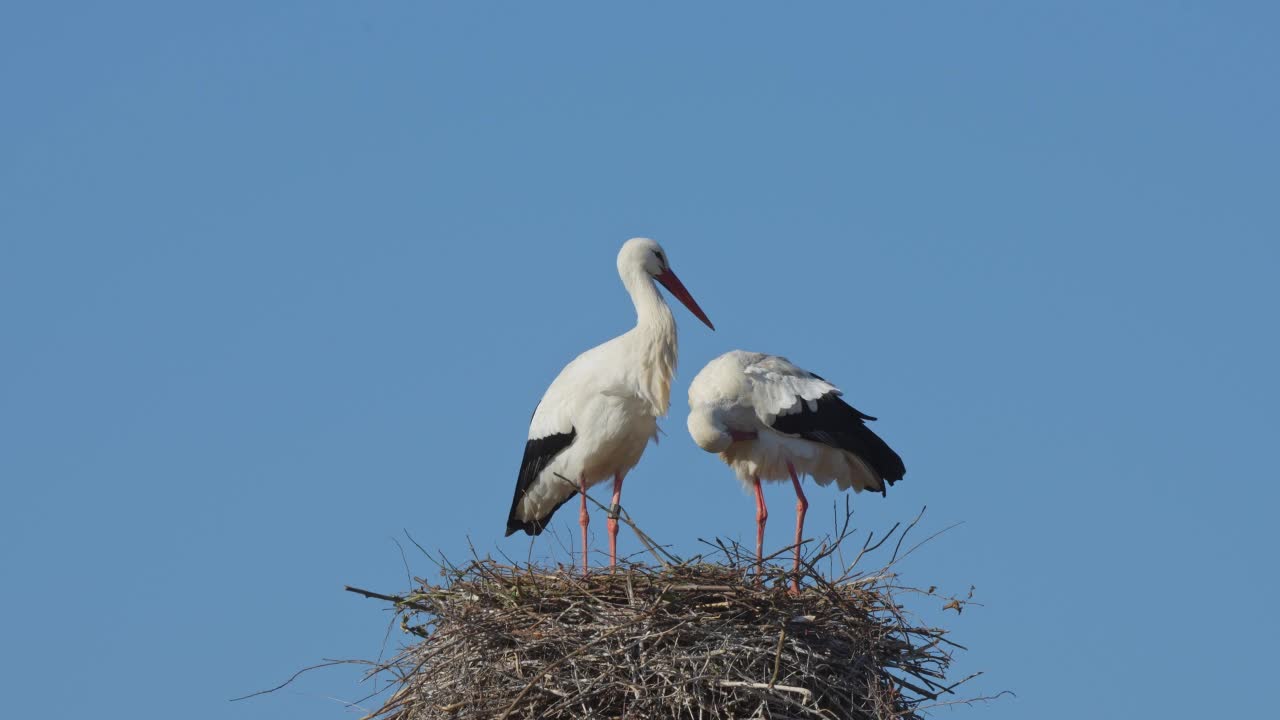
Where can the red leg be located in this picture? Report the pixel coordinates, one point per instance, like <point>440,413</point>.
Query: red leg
<point>613,520</point>
<point>802,506</point>
<point>762,516</point>
<point>584,520</point>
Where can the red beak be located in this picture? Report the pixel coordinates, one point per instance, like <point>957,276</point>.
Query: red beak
<point>678,291</point>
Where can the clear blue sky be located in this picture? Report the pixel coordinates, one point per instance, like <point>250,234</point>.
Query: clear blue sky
<point>281,280</point>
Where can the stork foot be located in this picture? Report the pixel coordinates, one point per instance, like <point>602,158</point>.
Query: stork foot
<point>762,516</point>
<point>614,508</point>
<point>584,519</point>
<point>802,507</point>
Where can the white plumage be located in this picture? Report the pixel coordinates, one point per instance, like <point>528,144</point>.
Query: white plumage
<point>771,420</point>
<point>600,412</point>
<point>747,392</point>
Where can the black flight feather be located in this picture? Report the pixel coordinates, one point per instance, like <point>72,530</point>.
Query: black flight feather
<point>838,424</point>
<point>538,454</point>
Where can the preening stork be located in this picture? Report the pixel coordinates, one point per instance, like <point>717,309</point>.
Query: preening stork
<point>770,420</point>
<point>602,409</point>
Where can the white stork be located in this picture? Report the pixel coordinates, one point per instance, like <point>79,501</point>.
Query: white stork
<point>602,409</point>
<point>771,420</point>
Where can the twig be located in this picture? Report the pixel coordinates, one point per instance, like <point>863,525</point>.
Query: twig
<point>808,694</point>
<point>373,595</point>
<point>295,676</point>
<point>777,657</point>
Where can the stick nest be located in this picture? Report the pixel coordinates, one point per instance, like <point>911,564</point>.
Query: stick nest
<point>692,639</point>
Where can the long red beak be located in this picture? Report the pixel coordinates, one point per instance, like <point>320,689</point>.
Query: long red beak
<point>678,291</point>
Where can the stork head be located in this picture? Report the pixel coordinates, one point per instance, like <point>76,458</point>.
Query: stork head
<point>647,256</point>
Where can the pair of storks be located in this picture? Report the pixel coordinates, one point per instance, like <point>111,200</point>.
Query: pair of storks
<point>767,418</point>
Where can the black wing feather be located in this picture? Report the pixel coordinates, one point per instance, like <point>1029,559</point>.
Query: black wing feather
<point>538,454</point>
<point>838,424</point>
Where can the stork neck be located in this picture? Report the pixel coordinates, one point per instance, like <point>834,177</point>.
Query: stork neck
<point>655,338</point>
<point>652,312</point>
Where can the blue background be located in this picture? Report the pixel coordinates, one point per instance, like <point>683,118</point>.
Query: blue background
<point>279,281</point>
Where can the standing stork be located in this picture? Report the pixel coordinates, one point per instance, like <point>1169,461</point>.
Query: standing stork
<point>771,420</point>
<point>602,409</point>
